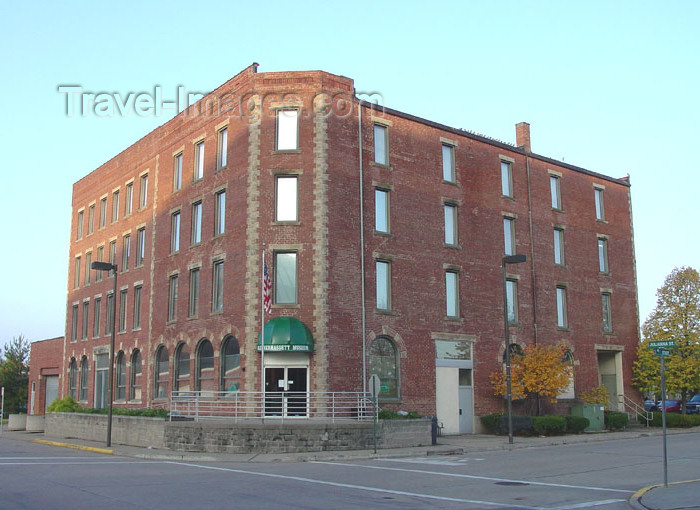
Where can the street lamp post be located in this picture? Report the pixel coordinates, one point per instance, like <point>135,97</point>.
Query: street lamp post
<point>509,259</point>
<point>107,266</point>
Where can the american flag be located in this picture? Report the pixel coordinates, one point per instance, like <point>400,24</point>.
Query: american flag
<point>267,286</point>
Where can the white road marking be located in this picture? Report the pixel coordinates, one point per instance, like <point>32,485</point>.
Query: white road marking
<point>474,477</point>
<point>450,461</point>
<point>590,504</point>
<point>357,487</point>
<point>75,463</point>
<point>50,458</point>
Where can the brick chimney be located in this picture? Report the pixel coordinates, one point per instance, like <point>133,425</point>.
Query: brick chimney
<point>522,135</point>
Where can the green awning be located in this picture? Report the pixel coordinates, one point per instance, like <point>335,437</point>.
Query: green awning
<point>286,334</point>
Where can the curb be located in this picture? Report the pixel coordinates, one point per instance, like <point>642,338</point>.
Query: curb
<point>635,499</point>
<point>105,451</point>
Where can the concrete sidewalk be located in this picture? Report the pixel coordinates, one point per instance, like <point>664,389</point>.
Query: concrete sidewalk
<point>679,495</point>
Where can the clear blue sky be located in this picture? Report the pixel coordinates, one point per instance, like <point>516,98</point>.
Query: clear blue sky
<point>610,86</point>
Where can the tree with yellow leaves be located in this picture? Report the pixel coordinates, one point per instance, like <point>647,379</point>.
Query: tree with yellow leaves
<point>676,317</point>
<point>540,371</point>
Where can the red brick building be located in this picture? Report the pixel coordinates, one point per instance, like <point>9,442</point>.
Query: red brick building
<point>383,234</point>
<point>46,364</point>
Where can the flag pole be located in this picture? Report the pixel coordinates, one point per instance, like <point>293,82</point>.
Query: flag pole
<point>262,339</point>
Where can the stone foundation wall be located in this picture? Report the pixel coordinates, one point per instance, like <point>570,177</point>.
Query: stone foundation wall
<point>127,430</point>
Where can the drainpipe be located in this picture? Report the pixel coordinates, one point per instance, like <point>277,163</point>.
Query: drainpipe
<point>362,249</point>
<point>532,248</point>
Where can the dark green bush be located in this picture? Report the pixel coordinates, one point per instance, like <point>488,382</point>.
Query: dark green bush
<point>676,420</point>
<point>492,422</point>
<point>576,424</point>
<point>64,405</point>
<point>385,414</point>
<point>615,420</point>
<point>69,405</point>
<point>549,425</point>
<point>497,423</point>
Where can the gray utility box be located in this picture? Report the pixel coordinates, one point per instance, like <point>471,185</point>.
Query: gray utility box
<point>594,413</point>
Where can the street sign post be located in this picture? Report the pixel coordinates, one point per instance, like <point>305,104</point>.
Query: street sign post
<point>662,344</point>
<point>661,349</point>
<point>375,385</point>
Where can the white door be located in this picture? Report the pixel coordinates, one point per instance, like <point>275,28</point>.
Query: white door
<point>51,390</point>
<point>466,401</point>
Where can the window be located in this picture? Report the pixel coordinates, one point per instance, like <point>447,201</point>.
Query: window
<point>120,377</point>
<point>76,274</point>
<point>509,235</point>
<point>115,206</point>
<point>286,198</point>
<point>91,219</point>
<point>287,130</point>
<point>162,373</point>
<point>450,224</point>
<point>84,378</point>
<point>143,191</point>
<point>181,380</point>
<point>126,251</point>
<point>555,191</point>
<point>86,316</point>
<point>381,145</point>
<point>129,199</point>
<point>112,255</point>
<point>74,324</point>
<point>199,160</point>
<point>506,179</point>
<point>559,246</point>
<point>204,377</point>
<point>220,216</point>
<point>603,255</point>
<point>381,210</point>
<point>81,214</point>
<point>96,318</point>
<point>569,391</point>
<point>135,386</point>
<point>217,293</point>
<point>172,298</point>
<point>448,163</point>
<point>512,300</point>
<point>599,205</point>
<point>175,232</point>
<point>607,313</point>
<point>110,314</point>
<point>383,361</point>
<point>383,270</point>
<point>103,212</point>
<point>88,263</point>
<point>222,149</point>
<point>285,277</point>
<point>100,254</point>
<point>562,319</point>
<point>140,246</point>
<point>122,310</point>
<point>230,365</point>
<point>193,308</point>
<point>452,293</point>
<point>137,307</point>
<point>177,172</point>
<point>72,378</point>
<point>197,223</point>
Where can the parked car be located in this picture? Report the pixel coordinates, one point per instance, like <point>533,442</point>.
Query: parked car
<point>672,406</point>
<point>649,405</point>
<point>693,405</point>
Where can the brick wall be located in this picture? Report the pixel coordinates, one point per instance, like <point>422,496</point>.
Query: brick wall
<point>45,360</point>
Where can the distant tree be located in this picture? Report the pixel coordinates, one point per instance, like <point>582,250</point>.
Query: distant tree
<point>676,317</point>
<point>14,374</point>
<point>540,371</point>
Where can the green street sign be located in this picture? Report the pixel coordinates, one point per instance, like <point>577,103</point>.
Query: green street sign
<point>662,344</point>
<point>662,352</point>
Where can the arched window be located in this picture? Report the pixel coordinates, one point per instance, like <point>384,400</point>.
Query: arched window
<point>135,376</point>
<point>84,373</point>
<point>120,377</point>
<point>162,374</point>
<point>182,368</point>
<point>569,391</point>
<point>383,361</point>
<point>230,364</point>
<point>72,378</point>
<point>205,366</point>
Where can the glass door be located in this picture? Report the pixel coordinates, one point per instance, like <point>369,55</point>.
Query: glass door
<point>286,391</point>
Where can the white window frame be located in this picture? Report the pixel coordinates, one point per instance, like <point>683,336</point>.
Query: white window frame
<point>383,284</point>
<point>603,262</point>
<point>451,231</point>
<point>555,191</point>
<point>279,298</point>
<point>509,235</point>
<point>599,197</point>
<point>222,148</point>
<point>198,160</point>
<point>287,129</point>
<point>562,312</point>
<point>143,191</point>
<point>382,214</point>
<point>448,163</point>
<point>606,302</point>
<point>220,213</point>
<point>452,294</point>
<point>217,287</point>
<point>512,300</point>
<point>196,237</point>
<point>175,218</point>
<point>381,145</point>
<point>177,171</point>
<point>286,198</point>
<point>559,246</point>
<point>506,179</point>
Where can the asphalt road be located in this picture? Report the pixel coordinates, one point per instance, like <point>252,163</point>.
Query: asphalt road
<point>592,475</point>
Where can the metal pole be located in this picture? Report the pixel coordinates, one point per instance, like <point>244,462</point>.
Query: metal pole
<point>374,401</point>
<point>508,374</point>
<point>663,418</point>
<point>2,407</point>
<point>111,360</point>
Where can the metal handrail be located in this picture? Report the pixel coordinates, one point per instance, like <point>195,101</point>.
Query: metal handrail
<point>637,410</point>
<point>278,405</point>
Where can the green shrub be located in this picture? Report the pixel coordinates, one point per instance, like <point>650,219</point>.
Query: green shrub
<point>64,405</point>
<point>497,423</point>
<point>492,422</point>
<point>676,420</point>
<point>549,425</point>
<point>615,420</point>
<point>576,424</point>
<point>385,414</point>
